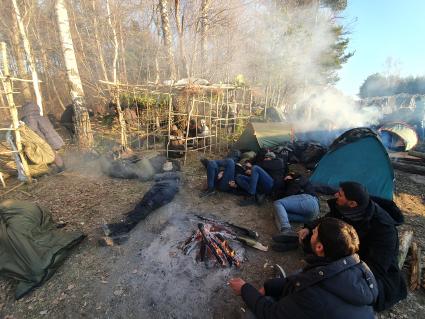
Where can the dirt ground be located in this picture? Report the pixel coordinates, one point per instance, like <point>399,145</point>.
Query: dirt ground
<point>149,276</point>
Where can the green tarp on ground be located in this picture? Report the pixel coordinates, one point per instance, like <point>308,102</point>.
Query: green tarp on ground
<point>264,135</point>
<point>31,247</point>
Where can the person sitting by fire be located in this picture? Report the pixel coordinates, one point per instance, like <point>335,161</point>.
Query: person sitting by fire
<point>334,284</point>
<point>375,220</point>
<point>261,179</point>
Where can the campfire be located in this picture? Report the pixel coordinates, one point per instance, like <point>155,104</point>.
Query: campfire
<point>212,245</point>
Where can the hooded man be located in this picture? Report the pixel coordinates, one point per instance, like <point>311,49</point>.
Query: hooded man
<point>335,284</point>
<point>376,226</point>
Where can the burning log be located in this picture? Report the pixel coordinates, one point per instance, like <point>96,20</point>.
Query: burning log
<point>245,231</point>
<point>213,241</point>
<point>211,245</point>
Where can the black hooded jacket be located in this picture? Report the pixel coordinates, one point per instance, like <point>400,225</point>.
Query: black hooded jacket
<point>327,289</point>
<point>379,247</point>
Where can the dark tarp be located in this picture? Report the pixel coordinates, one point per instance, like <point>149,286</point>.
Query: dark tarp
<point>31,247</point>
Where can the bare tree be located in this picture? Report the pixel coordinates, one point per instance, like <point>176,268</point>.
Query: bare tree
<point>166,33</point>
<point>179,18</point>
<point>29,55</point>
<point>82,122</point>
<point>205,6</point>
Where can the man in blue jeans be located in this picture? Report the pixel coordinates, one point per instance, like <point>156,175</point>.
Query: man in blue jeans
<point>219,175</point>
<point>261,179</point>
<point>300,205</point>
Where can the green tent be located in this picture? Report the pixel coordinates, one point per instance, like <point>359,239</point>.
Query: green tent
<point>31,247</point>
<point>264,135</point>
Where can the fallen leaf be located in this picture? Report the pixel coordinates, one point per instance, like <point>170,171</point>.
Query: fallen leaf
<point>44,312</point>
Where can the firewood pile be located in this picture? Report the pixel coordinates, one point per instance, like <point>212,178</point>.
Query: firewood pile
<point>410,257</point>
<point>212,244</point>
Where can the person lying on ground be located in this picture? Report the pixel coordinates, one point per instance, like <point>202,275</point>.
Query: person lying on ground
<point>261,179</point>
<point>334,284</point>
<point>378,235</point>
<point>30,115</point>
<point>299,204</point>
<point>221,175</point>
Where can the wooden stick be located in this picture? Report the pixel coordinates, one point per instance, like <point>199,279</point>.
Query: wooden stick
<point>415,267</point>
<point>12,189</point>
<point>405,241</point>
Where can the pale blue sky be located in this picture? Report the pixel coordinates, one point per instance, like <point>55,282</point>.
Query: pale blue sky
<point>383,29</point>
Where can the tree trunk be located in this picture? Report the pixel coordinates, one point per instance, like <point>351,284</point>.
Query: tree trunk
<point>166,33</point>
<point>116,89</point>
<point>98,45</point>
<point>28,53</point>
<point>122,49</point>
<point>180,29</point>
<point>20,60</point>
<point>205,6</point>
<point>81,121</point>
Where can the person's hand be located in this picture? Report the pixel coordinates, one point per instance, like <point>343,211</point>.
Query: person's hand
<point>303,233</point>
<point>248,172</point>
<point>288,177</point>
<point>236,284</point>
<point>248,165</point>
<point>232,184</point>
<point>220,175</point>
<point>262,291</point>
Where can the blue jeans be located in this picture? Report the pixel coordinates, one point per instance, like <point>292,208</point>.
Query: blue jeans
<point>259,178</point>
<point>213,169</point>
<point>300,208</point>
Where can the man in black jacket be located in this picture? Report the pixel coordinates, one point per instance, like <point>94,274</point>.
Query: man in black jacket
<point>378,235</point>
<point>334,285</point>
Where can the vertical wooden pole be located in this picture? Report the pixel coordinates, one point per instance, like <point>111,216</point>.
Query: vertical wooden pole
<point>8,87</point>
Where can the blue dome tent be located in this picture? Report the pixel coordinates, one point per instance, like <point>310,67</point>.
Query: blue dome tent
<point>357,155</point>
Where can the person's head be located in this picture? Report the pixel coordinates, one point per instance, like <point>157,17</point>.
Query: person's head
<point>352,195</point>
<point>203,123</point>
<point>192,123</point>
<point>174,128</point>
<point>269,156</point>
<point>334,239</point>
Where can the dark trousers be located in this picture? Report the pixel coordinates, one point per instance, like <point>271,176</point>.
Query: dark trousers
<point>213,169</point>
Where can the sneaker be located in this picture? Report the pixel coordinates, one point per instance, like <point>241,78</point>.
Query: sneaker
<point>204,162</point>
<point>280,273</point>
<point>282,247</point>
<point>248,201</point>
<point>286,236</point>
<point>206,193</point>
